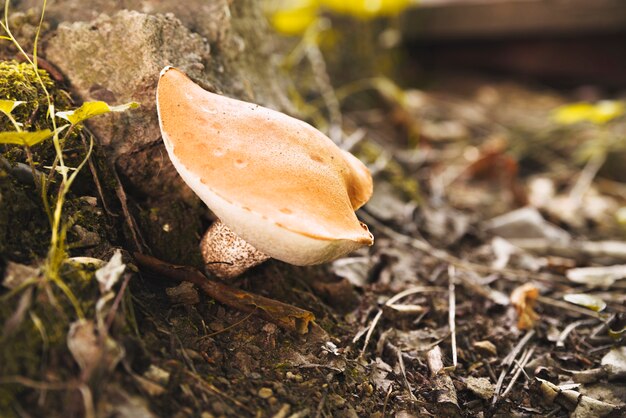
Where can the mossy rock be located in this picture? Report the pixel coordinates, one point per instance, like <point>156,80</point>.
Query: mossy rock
<point>20,82</point>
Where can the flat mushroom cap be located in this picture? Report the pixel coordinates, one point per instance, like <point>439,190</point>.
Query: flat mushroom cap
<point>277,182</point>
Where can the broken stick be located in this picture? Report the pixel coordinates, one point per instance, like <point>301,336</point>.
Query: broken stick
<point>285,316</point>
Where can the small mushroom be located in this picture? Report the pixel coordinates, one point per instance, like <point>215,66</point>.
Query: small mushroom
<point>280,187</point>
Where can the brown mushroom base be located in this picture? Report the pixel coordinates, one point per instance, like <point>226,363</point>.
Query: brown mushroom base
<point>225,254</point>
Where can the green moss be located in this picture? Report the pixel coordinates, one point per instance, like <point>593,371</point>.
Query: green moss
<point>19,81</point>
<point>24,226</point>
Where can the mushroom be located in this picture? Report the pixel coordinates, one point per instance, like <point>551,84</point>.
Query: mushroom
<point>279,187</point>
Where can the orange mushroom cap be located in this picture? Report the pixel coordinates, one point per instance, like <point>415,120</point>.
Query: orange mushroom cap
<point>277,182</point>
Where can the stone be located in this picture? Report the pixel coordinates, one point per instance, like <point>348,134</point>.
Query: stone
<point>265,393</point>
<point>117,59</point>
<point>225,46</point>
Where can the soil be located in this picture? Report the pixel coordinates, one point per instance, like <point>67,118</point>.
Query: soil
<point>460,307</point>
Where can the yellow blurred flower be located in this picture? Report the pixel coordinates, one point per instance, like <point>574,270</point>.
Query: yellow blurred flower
<point>366,9</point>
<point>599,113</point>
<point>292,17</point>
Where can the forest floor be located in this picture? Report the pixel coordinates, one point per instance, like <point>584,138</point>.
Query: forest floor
<point>494,287</point>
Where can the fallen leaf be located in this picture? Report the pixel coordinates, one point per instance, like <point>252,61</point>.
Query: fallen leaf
<point>486,347</point>
<point>588,301</point>
<point>354,269</point>
<point>614,362</point>
<point>524,298</point>
<point>526,223</point>
<point>597,276</point>
<point>506,253</point>
<point>380,371</point>
<point>108,275</point>
<point>91,350</point>
<point>17,274</point>
<point>481,387</point>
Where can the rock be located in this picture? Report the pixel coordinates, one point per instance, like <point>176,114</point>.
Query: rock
<point>210,19</point>
<point>116,56</point>
<point>117,59</point>
<point>614,362</point>
<point>185,293</point>
<point>265,393</point>
<point>223,45</point>
<point>481,387</point>
<point>486,347</point>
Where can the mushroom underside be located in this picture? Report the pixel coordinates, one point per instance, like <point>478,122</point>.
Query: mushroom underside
<point>225,254</point>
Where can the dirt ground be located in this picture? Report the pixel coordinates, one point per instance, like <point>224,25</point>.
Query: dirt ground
<point>494,286</point>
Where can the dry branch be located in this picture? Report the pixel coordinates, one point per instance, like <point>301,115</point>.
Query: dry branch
<point>286,316</point>
<point>446,392</point>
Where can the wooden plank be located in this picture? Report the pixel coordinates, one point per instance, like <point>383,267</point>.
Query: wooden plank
<point>449,19</point>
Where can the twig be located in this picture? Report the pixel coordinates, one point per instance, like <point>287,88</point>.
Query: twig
<point>387,399</point>
<point>96,180</point>
<point>116,302</point>
<point>446,392</point>
<point>286,316</point>
<point>231,326</point>
<point>569,307</point>
<point>406,381</point>
<point>140,244</point>
<point>370,331</point>
<point>85,392</point>
<point>448,258</point>
<point>320,366</point>
<point>568,329</point>
<point>320,405</point>
<point>361,332</point>
<point>413,290</point>
<point>391,301</point>
<point>33,384</point>
<point>508,361</point>
<point>130,220</point>
<point>520,368</point>
<point>203,384</point>
<point>452,312</point>
<point>573,249</point>
<point>586,177</point>
<point>322,79</point>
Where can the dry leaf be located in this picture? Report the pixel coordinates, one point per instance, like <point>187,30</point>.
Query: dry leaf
<point>614,362</point>
<point>597,276</point>
<point>92,350</point>
<point>588,301</point>
<point>481,387</point>
<point>524,298</point>
<point>108,275</point>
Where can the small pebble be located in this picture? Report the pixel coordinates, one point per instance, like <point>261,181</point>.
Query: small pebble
<point>216,326</point>
<point>265,393</point>
<point>295,377</point>
<point>486,347</point>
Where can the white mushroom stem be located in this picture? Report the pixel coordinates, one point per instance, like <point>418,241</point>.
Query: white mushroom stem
<point>225,254</point>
